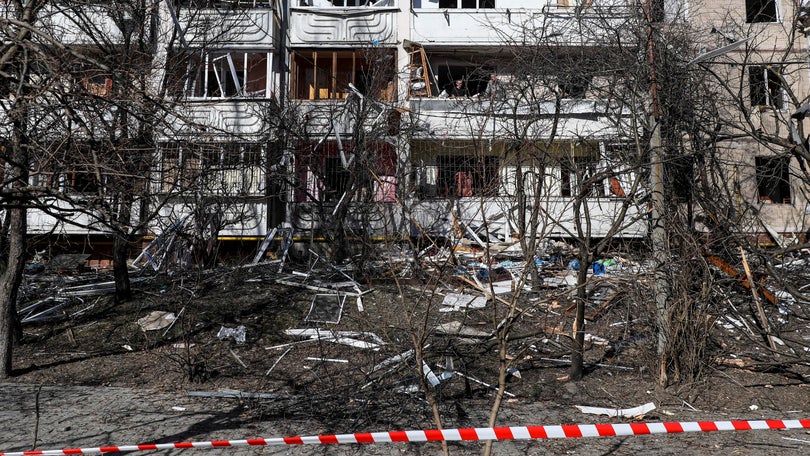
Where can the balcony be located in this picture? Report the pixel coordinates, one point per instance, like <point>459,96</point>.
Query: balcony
<point>76,24</point>
<point>564,26</point>
<point>332,26</point>
<point>249,28</point>
<point>467,117</point>
<point>236,117</point>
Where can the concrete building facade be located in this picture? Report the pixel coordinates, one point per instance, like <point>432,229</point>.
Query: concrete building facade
<point>395,119</point>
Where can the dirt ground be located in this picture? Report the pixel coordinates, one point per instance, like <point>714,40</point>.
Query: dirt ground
<point>94,377</point>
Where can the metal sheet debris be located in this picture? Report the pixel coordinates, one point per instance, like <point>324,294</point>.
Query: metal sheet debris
<point>238,334</point>
<point>622,413</point>
<point>456,328</point>
<point>457,301</point>
<point>155,320</point>
<point>351,338</point>
<point>431,378</point>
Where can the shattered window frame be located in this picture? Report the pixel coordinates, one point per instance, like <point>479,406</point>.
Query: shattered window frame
<point>574,173</point>
<point>224,74</point>
<point>322,177</point>
<point>766,89</point>
<point>461,176</point>
<point>69,170</point>
<point>326,74</point>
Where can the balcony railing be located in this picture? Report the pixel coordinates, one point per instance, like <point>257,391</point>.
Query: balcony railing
<point>325,27</point>
<point>552,24</point>
<point>251,28</point>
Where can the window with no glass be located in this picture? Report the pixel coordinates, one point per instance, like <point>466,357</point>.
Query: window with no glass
<point>773,179</point>
<point>766,86</point>
<point>761,11</point>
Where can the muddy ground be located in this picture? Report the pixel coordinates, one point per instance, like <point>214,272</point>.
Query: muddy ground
<point>94,377</point>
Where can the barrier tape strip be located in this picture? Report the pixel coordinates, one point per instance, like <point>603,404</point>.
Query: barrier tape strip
<point>569,431</point>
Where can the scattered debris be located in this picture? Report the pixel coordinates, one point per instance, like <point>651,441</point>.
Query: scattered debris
<point>234,394</point>
<point>634,412</point>
<point>327,360</point>
<point>393,360</point>
<point>174,320</point>
<point>487,385</point>
<point>456,328</point>
<point>155,320</point>
<point>455,301</point>
<point>326,308</point>
<point>350,338</point>
<point>431,378</point>
<point>32,313</point>
<point>238,359</point>
<point>238,334</point>
<point>277,361</point>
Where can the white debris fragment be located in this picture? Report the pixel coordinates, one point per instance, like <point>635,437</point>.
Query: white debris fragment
<point>623,413</point>
<point>456,301</point>
<point>237,334</point>
<point>156,320</point>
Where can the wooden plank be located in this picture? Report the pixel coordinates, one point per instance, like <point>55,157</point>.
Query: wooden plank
<point>732,272</point>
<point>762,317</point>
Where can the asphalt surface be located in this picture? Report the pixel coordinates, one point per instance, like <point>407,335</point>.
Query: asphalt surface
<point>56,417</point>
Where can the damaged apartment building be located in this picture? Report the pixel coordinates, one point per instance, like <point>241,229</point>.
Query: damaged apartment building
<point>394,119</point>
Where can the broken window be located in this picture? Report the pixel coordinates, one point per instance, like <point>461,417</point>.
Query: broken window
<point>761,11</point>
<point>463,175</point>
<point>467,4</point>
<point>574,86</point>
<point>227,168</point>
<point>322,75</point>
<point>773,179</point>
<point>578,173</point>
<point>679,174</point>
<point>475,79</point>
<point>99,85</point>
<point>569,3</point>
<point>616,155</point>
<point>323,173</point>
<point>579,168</point>
<point>766,86</point>
<point>70,169</point>
<point>228,74</point>
<point>450,169</point>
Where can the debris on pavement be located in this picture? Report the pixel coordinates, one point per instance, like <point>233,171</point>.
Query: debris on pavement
<point>238,334</point>
<point>155,320</point>
<point>634,412</point>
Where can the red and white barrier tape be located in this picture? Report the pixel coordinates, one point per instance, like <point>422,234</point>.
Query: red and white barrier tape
<point>569,431</point>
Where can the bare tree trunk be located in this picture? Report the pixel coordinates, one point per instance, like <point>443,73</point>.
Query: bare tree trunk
<point>10,284</point>
<point>123,289</point>
<point>578,353</point>
<point>11,277</point>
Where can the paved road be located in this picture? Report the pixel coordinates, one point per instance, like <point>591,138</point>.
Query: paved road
<point>97,416</point>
